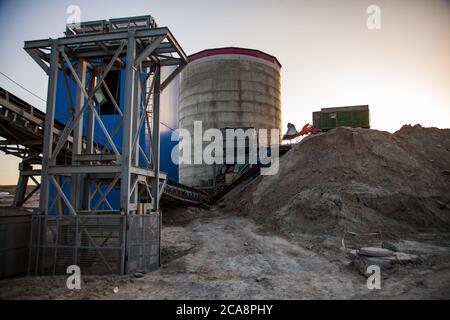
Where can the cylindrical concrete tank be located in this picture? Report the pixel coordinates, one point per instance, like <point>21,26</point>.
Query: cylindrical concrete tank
<point>228,88</point>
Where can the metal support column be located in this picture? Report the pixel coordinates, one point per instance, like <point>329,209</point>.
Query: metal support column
<point>129,113</point>
<point>156,138</point>
<point>48,128</point>
<point>90,127</point>
<point>76,187</point>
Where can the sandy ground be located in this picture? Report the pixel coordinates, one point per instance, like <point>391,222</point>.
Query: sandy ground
<point>217,255</point>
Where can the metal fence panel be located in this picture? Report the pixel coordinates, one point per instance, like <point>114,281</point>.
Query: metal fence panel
<point>98,244</point>
<point>144,242</point>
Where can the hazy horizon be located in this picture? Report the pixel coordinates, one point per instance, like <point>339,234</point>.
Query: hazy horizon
<point>329,57</point>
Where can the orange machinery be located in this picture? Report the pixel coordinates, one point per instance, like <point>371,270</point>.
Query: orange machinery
<point>292,132</point>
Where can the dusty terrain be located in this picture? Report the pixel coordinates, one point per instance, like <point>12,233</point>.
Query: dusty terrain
<point>218,255</point>
<point>282,238</point>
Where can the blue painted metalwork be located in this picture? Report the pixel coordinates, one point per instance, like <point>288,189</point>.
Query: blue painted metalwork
<point>169,123</point>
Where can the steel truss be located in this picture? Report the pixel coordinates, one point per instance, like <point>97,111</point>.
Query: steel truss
<point>140,48</point>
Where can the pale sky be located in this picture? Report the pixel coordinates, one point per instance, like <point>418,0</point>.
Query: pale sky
<point>329,56</point>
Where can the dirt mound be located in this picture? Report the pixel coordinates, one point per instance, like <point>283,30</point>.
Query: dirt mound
<point>357,180</point>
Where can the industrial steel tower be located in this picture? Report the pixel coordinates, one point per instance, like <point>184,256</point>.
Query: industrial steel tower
<point>99,208</point>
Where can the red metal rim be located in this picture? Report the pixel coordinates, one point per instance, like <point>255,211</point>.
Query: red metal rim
<point>234,50</point>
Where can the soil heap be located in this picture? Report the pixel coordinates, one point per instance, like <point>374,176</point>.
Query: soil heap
<point>357,180</point>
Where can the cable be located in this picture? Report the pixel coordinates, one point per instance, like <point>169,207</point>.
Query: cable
<point>151,116</point>
<point>22,86</point>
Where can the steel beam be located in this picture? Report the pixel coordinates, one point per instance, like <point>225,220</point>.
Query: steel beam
<point>147,172</point>
<point>93,38</point>
<point>91,123</point>
<point>49,123</point>
<point>135,134</point>
<point>78,135</point>
<point>94,157</point>
<point>148,50</point>
<point>177,46</point>
<point>94,52</point>
<point>33,53</point>
<point>129,113</point>
<point>171,76</point>
<point>156,139</point>
<point>71,169</point>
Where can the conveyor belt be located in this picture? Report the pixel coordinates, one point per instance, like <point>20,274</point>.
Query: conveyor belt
<point>22,125</point>
<point>176,192</point>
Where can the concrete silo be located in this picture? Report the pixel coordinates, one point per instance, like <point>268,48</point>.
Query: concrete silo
<point>228,88</point>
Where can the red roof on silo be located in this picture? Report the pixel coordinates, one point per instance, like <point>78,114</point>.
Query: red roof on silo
<point>234,50</point>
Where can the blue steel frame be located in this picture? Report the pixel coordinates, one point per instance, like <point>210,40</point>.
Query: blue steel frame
<point>123,174</point>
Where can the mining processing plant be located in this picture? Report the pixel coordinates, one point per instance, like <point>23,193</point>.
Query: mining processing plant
<point>104,143</point>
<point>101,178</point>
<point>118,90</point>
<point>104,77</point>
<point>157,165</point>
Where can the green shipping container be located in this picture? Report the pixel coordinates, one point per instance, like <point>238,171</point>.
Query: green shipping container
<point>354,116</point>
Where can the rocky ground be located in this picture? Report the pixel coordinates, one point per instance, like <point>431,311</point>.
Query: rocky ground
<point>218,255</point>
